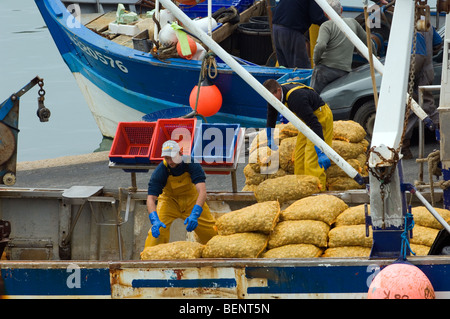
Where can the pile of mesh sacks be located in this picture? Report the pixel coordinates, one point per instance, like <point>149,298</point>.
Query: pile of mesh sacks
<point>315,226</point>
<point>426,228</point>
<point>350,143</point>
<point>270,172</point>
<point>291,218</point>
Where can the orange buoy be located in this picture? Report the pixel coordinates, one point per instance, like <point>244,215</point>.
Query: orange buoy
<point>401,281</point>
<point>209,99</point>
<point>192,46</point>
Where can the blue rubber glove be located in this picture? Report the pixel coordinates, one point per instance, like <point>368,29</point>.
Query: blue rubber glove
<point>191,221</point>
<point>282,119</point>
<point>429,124</point>
<point>156,224</point>
<point>270,142</point>
<point>324,161</point>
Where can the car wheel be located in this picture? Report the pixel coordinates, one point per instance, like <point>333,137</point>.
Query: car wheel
<point>365,115</point>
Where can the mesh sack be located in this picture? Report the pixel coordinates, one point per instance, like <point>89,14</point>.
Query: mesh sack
<point>423,235</point>
<point>259,217</point>
<point>423,217</point>
<point>353,235</point>
<point>336,171</point>
<point>299,232</point>
<point>264,160</point>
<point>240,245</point>
<point>294,251</point>
<point>260,140</point>
<point>362,159</point>
<point>285,188</point>
<point>287,130</point>
<point>321,207</point>
<point>287,151</point>
<point>349,131</point>
<point>349,251</point>
<point>349,150</point>
<point>352,216</point>
<point>254,178</point>
<point>420,250</point>
<point>173,250</point>
<point>248,188</point>
<point>365,143</point>
<point>342,184</point>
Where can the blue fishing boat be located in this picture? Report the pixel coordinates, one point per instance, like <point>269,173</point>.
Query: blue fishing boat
<point>122,84</point>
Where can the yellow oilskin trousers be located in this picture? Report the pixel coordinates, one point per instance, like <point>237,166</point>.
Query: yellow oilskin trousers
<point>306,160</point>
<point>176,201</point>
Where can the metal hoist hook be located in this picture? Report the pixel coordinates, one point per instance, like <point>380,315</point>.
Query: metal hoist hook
<point>42,112</point>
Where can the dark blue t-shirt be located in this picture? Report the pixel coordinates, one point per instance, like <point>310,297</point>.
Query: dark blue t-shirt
<point>421,46</point>
<point>158,180</point>
<point>298,14</point>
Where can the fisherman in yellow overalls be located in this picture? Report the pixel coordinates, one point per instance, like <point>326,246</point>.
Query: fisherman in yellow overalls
<point>180,189</point>
<point>304,102</point>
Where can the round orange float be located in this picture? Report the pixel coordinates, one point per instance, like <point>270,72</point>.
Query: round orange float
<point>209,99</point>
<point>401,281</point>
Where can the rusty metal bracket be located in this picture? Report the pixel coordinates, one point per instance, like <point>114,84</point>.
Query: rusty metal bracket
<point>5,231</point>
<point>422,10</point>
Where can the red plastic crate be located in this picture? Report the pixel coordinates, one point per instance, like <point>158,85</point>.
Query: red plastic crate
<point>132,142</point>
<point>180,130</point>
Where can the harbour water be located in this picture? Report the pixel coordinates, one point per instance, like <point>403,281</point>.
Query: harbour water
<point>27,50</point>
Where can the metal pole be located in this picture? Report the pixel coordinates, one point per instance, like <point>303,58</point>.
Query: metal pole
<point>155,30</point>
<point>209,18</point>
<point>258,87</point>
<point>422,127</point>
<point>421,138</point>
<point>369,46</point>
<point>431,209</point>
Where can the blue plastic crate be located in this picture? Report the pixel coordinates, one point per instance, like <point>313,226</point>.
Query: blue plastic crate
<point>215,143</point>
<point>302,76</point>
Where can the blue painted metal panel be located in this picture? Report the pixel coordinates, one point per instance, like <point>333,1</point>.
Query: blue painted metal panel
<point>55,282</point>
<point>292,280</point>
<point>310,280</point>
<point>438,276</point>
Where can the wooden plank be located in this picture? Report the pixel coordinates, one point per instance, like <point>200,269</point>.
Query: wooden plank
<point>87,18</point>
<point>124,40</point>
<point>101,23</point>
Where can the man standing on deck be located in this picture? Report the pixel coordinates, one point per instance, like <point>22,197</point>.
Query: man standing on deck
<point>180,190</point>
<point>333,52</point>
<point>304,102</point>
<point>291,20</point>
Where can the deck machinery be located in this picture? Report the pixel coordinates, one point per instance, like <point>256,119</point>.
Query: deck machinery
<point>9,128</point>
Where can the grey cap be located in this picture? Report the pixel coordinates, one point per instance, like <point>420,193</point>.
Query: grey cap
<point>170,148</point>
